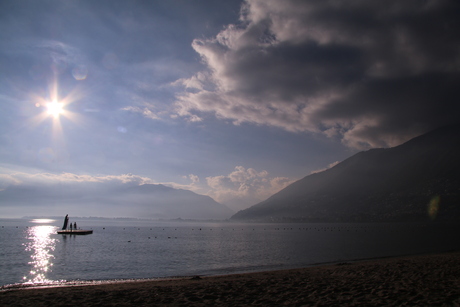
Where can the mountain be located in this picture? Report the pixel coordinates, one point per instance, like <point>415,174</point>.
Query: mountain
<point>159,201</point>
<point>137,201</point>
<point>416,181</point>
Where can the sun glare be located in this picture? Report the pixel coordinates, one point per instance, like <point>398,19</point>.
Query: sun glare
<point>55,108</point>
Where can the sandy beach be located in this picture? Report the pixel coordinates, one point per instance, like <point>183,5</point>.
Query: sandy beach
<point>426,280</point>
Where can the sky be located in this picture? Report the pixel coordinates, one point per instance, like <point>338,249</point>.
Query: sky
<point>231,99</point>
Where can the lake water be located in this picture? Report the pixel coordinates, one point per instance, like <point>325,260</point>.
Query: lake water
<point>32,253</point>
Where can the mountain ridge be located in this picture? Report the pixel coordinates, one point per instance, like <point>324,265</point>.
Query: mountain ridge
<point>383,184</point>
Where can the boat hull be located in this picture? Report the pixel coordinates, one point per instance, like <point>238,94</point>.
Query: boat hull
<point>75,232</point>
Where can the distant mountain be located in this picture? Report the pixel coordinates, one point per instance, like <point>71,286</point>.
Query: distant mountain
<point>416,181</point>
<point>140,201</point>
<point>159,201</point>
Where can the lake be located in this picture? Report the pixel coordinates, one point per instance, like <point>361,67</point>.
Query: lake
<point>33,253</point>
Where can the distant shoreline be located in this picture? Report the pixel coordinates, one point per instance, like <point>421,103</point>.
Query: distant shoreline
<point>432,279</point>
<point>237,221</point>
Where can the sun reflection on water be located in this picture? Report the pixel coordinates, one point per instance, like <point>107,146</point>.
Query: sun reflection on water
<point>42,245</point>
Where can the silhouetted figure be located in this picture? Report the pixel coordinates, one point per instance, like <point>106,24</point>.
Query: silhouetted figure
<point>75,225</point>
<point>70,226</point>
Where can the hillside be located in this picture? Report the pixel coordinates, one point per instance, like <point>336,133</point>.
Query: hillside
<point>394,184</point>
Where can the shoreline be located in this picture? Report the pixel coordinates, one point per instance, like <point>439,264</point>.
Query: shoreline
<point>430,279</point>
<point>98,282</point>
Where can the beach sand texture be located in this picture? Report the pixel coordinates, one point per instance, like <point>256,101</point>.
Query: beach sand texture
<point>426,280</point>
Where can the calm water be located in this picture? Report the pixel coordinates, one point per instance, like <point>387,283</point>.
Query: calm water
<point>31,251</point>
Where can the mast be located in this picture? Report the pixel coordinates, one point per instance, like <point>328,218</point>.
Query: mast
<point>66,220</point>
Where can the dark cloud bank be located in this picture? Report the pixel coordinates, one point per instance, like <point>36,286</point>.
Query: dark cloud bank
<point>370,73</point>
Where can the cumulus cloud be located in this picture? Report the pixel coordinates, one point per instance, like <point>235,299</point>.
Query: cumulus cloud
<point>244,187</point>
<point>369,73</point>
<point>193,184</point>
<point>194,178</point>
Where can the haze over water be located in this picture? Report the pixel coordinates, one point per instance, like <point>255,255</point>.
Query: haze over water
<point>33,253</point>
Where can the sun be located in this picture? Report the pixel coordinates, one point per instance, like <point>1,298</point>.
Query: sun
<point>55,108</point>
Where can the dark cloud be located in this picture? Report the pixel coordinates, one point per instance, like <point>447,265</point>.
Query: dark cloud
<point>371,73</point>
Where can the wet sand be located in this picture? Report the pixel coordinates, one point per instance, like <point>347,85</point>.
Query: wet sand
<point>427,280</point>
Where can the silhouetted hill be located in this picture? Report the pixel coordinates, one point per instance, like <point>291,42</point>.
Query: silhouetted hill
<point>394,184</point>
<point>159,201</point>
<point>137,201</point>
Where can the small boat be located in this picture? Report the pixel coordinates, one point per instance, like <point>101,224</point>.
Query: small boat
<point>75,231</point>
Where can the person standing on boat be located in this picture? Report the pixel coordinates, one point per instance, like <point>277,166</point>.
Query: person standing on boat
<point>70,226</point>
<point>75,225</point>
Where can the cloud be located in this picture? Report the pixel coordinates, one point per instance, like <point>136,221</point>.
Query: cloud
<point>244,187</point>
<point>193,184</point>
<point>144,111</point>
<point>194,178</point>
<point>48,179</point>
<point>7,180</point>
<point>369,73</point>
<point>331,165</point>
